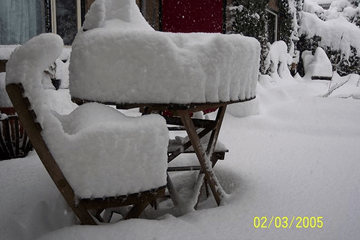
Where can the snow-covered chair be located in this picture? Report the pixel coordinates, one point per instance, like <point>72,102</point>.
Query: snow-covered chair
<point>97,157</point>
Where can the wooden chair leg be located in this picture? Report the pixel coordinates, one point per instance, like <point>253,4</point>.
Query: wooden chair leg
<point>98,216</point>
<point>85,217</point>
<point>213,182</point>
<point>136,210</point>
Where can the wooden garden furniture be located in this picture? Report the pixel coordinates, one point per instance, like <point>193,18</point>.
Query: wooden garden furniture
<point>206,152</point>
<point>39,119</point>
<point>119,59</point>
<point>81,207</point>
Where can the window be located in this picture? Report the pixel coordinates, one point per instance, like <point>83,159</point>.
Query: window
<point>272,25</point>
<point>65,18</point>
<point>151,10</point>
<point>21,20</point>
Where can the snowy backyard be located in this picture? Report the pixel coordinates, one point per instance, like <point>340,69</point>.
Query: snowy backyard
<point>292,170</point>
<point>299,156</point>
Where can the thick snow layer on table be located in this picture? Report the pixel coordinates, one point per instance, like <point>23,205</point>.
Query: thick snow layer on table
<point>100,151</point>
<point>120,58</point>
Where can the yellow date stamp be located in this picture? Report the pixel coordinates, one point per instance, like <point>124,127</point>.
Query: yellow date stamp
<point>288,222</point>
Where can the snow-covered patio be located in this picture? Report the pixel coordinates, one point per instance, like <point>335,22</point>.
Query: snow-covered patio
<point>298,157</point>
<point>292,170</point>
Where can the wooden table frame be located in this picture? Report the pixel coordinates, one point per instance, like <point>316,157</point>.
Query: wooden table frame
<point>182,117</point>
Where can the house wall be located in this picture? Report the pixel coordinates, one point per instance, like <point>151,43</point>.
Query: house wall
<point>192,16</point>
<point>152,11</point>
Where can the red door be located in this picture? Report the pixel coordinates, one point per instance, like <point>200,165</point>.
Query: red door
<point>192,15</point>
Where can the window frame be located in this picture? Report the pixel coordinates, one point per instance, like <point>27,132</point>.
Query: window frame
<point>276,27</point>
<point>53,21</point>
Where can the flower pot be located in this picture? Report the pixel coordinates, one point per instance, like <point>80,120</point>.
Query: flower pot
<point>14,142</point>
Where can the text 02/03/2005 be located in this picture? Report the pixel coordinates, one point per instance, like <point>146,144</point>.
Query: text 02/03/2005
<point>286,222</point>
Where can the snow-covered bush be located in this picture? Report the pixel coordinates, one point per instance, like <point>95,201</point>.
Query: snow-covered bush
<point>317,65</point>
<point>288,24</point>
<point>278,60</point>
<point>250,18</point>
<point>336,30</point>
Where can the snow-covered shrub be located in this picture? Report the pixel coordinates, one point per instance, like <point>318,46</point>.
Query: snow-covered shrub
<point>278,60</point>
<point>336,30</point>
<point>318,64</point>
<point>314,8</point>
<point>249,19</point>
<point>306,44</point>
<point>287,23</point>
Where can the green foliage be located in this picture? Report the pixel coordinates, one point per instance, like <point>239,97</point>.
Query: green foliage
<point>285,22</point>
<point>249,19</point>
<point>349,65</point>
<point>306,44</point>
<point>342,65</point>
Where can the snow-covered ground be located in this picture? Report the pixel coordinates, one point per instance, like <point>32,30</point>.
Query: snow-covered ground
<point>292,172</point>
<point>298,157</point>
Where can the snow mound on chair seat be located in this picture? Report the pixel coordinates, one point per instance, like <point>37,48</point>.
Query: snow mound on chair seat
<point>125,61</point>
<point>111,154</point>
<point>100,151</point>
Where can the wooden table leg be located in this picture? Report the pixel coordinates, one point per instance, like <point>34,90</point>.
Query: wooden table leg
<point>203,155</point>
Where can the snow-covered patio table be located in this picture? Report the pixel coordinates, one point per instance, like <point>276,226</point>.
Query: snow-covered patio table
<point>117,58</point>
